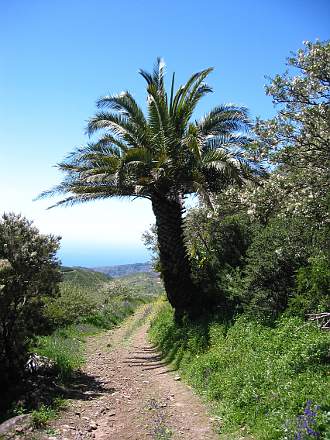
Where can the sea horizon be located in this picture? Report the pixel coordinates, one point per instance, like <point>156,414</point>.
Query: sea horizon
<point>91,257</point>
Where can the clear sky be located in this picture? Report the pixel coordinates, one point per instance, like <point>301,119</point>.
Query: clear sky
<point>57,57</point>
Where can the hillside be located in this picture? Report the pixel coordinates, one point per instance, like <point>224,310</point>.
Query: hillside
<point>125,269</point>
<point>97,284</point>
<point>147,282</point>
<point>82,277</point>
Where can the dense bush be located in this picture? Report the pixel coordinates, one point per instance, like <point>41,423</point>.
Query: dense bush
<point>29,273</point>
<point>312,291</point>
<point>70,306</point>
<point>277,252</point>
<point>215,240</point>
<point>217,245</point>
<point>260,378</point>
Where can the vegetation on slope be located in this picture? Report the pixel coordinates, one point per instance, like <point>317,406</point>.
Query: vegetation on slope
<point>266,381</point>
<point>80,276</point>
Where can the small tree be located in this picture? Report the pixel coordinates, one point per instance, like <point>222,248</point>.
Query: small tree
<point>29,272</point>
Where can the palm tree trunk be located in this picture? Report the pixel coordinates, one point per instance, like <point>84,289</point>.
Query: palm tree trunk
<point>175,265</point>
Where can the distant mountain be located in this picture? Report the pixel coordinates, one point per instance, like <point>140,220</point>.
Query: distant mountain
<point>125,269</point>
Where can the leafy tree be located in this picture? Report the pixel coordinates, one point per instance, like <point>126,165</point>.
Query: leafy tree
<point>217,243</point>
<point>292,203</point>
<point>163,157</point>
<point>29,273</point>
<point>288,210</point>
<point>296,141</point>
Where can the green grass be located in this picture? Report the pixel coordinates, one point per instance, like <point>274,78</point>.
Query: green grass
<point>257,377</point>
<point>65,348</point>
<point>45,413</point>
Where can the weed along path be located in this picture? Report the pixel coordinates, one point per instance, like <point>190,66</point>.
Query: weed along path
<point>133,394</point>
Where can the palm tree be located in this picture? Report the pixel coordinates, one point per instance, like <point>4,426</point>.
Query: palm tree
<point>162,156</point>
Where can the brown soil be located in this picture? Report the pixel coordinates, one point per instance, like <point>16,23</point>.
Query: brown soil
<point>132,393</point>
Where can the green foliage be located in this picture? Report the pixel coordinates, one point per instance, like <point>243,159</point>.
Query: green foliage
<point>165,152</point>
<point>268,277</point>
<point>312,292</point>
<point>244,264</point>
<point>64,348</point>
<point>80,277</point>
<point>259,377</point>
<point>217,245</point>
<point>217,240</point>
<point>29,274</point>
<point>45,413</point>
<point>73,303</point>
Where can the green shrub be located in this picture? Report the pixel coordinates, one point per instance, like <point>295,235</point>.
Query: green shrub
<point>73,304</point>
<point>259,377</point>
<point>277,252</point>
<point>29,273</point>
<point>312,291</point>
<point>217,245</point>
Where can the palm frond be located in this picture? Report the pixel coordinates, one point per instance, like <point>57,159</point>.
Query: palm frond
<point>157,76</point>
<point>225,119</point>
<point>125,104</point>
<point>117,125</point>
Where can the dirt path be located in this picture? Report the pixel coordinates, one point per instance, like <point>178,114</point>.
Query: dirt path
<point>132,394</point>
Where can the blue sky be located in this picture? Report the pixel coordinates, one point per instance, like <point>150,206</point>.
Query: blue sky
<point>58,57</point>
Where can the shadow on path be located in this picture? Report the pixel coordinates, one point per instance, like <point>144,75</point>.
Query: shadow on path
<point>45,388</point>
<point>148,358</point>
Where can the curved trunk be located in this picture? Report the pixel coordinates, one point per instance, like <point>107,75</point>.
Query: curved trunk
<point>176,269</point>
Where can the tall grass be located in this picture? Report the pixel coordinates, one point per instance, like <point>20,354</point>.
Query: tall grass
<point>264,379</point>
<point>65,348</point>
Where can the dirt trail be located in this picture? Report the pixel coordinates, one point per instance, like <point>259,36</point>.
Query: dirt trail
<point>132,393</point>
